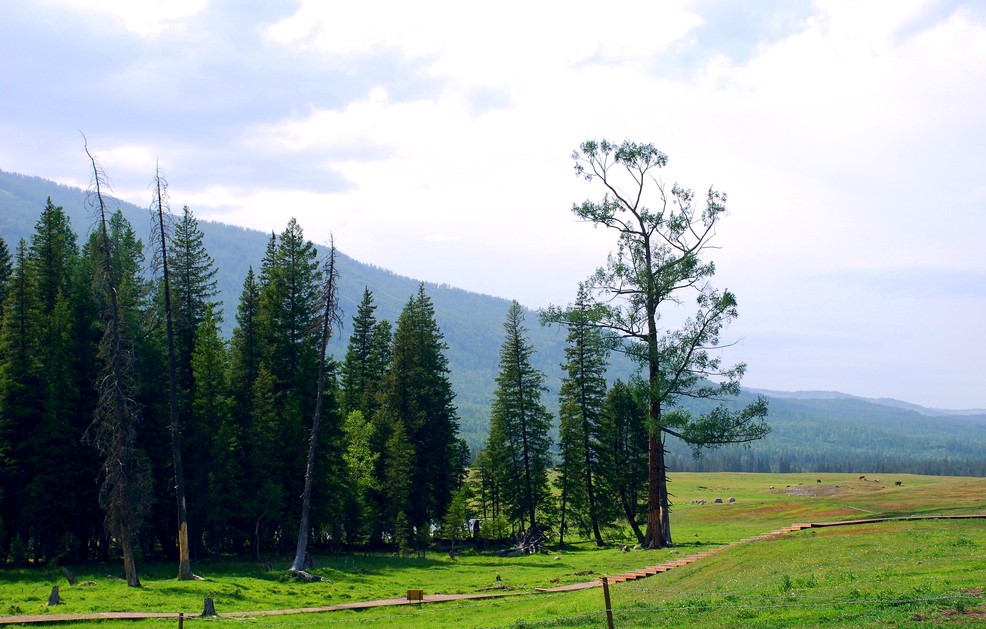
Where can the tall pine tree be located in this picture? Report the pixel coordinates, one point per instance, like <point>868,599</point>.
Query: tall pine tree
<point>53,490</point>
<point>519,438</point>
<point>21,398</point>
<point>580,410</point>
<point>417,400</point>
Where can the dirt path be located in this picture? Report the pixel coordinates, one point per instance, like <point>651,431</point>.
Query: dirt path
<point>439,598</point>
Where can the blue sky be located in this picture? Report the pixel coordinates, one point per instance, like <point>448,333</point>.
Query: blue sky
<point>433,139</point>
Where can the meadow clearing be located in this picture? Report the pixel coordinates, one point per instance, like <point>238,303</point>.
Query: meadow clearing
<point>895,573</point>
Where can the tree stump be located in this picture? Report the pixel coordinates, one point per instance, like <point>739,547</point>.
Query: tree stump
<point>54,599</point>
<point>210,608</point>
<point>68,575</point>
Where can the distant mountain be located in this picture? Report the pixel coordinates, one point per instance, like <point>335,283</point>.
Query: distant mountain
<point>886,401</point>
<point>812,430</point>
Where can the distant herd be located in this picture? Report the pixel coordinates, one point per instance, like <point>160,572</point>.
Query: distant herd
<point>773,488</point>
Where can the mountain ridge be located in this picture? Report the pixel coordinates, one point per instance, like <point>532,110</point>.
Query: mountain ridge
<point>886,401</point>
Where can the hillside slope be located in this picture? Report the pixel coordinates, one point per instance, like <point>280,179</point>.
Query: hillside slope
<point>812,431</point>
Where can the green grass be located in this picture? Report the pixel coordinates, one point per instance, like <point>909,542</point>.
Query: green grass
<point>890,574</point>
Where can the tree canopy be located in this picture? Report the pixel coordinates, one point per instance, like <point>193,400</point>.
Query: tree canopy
<point>663,238</point>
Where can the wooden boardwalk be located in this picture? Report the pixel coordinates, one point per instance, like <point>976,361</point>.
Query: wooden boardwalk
<point>633,575</point>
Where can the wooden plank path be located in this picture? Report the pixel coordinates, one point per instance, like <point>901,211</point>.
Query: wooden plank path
<point>641,573</point>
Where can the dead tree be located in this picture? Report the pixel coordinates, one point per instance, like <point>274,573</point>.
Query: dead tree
<point>162,213</point>
<point>529,542</point>
<point>126,477</point>
<point>330,316</point>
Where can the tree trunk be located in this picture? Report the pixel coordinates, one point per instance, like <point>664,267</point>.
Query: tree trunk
<point>631,517</point>
<point>593,517</point>
<point>329,315</point>
<point>665,505</point>
<point>564,501</point>
<point>129,563</point>
<point>655,536</point>
<point>184,563</point>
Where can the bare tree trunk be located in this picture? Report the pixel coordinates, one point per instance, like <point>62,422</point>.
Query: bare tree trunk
<point>665,506</point>
<point>125,472</point>
<point>330,315</point>
<point>564,504</point>
<point>184,563</point>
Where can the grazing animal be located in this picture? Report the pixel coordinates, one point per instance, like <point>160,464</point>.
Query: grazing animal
<point>771,488</point>
<point>818,480</point>
<point>897,483</point>
<point>863,477</point>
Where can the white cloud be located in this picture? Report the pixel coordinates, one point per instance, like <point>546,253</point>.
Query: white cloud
<point>141,17</point>
<point>850,141</point>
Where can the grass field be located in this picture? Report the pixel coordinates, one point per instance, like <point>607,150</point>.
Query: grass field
<point>917,573</point>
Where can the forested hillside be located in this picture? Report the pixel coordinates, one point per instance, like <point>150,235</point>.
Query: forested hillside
<point>810,431</point>
<point>834,432</point>
<point>472,323</point>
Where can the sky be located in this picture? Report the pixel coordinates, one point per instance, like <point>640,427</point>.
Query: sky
<point>434,139</point>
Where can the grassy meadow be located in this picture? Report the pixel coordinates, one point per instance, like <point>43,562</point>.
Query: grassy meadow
<point>917,573</point>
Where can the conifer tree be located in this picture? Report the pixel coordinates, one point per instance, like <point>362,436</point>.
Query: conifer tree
<point>210,417</point>
<point>580,410</point>
<point>624,431</point>
<point>195,289</point>
<point>246,346</point>
<point>193,292</point>
<point>21,400</point>
<point>267,466</point>
<point>519,438</point>
<point>330,318</point>
<point>417,399</point>
<point>54,488</point>
<point>367,359</point>
<point>288,310</point>
<point>6,268</point>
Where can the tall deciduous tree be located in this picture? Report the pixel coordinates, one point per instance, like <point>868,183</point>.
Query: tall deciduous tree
<point>658,261</point>
<point>519,437</point>
<point>360,460</point>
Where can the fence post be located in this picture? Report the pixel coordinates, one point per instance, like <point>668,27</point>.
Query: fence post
<point>609,607</point>
<point>181,620</point>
